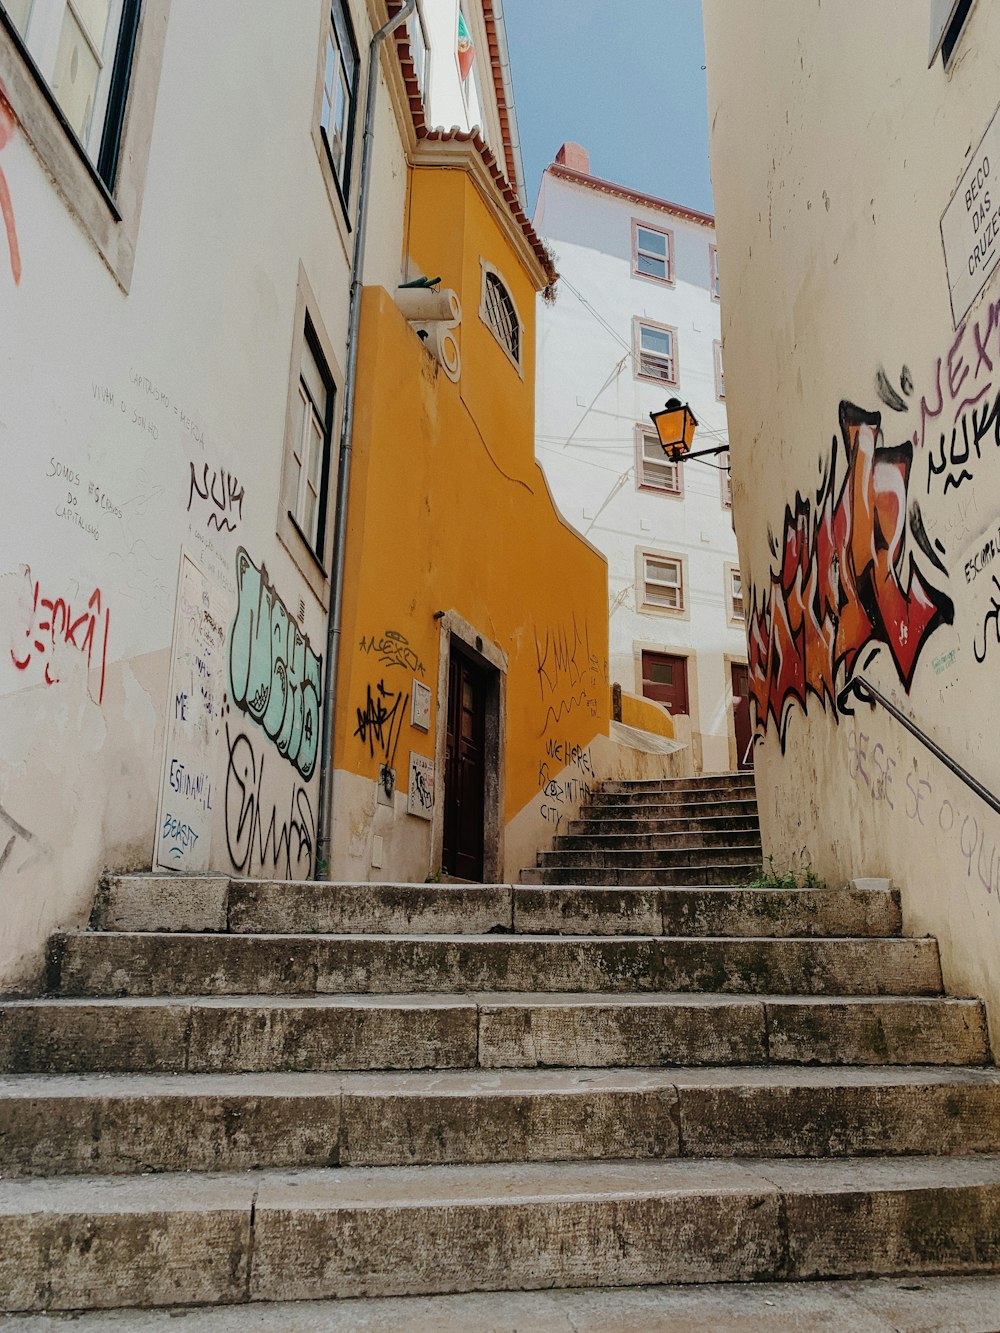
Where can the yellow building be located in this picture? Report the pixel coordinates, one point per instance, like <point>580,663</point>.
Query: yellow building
<point>472,680</point>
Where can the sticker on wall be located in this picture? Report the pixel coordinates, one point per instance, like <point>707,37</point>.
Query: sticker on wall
<point>420,798</point>
<point>189,792</point>
<point>420,706</point>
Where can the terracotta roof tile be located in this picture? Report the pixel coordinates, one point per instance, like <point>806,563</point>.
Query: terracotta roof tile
<point>633,196</point>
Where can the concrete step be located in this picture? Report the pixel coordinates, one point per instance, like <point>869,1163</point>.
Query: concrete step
<point>597,824</point>
<point>656,807</point>
<point>654,840</point>
<point>101,963</point>
<point>874,1305</point>
<point>654,793</point>
<point>699,912</point>
<point>707,782</point>
<point>295,907</point>
<point>100,1242</point>
<point>723,872</point>
<point>121,1125</point>
<point>257,1034</point>
<point>682,854</point>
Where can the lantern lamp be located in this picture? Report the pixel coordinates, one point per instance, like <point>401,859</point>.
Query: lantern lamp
<point>675,426</point>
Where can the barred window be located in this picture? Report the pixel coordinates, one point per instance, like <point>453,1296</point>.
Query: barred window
<point>499,313</point>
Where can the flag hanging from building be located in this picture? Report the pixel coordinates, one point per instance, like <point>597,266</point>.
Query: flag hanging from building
<point>466,49</point>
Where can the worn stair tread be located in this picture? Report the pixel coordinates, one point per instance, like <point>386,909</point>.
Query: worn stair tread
<point>494,1183</point>
<point>873,1305</point>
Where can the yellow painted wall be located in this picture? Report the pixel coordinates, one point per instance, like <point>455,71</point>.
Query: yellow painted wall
<point>449,512</point>
<point>646,715</point>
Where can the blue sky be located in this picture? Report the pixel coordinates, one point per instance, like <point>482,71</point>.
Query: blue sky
<point>624,80</point>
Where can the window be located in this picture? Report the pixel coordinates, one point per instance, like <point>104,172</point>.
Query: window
<point>720,379</point>
<point>653,470</point>
<point>734,594</point>
<point>312,430</point>
<point>664,678</point>
<point>419,50</point>
<point>947,22</point>
<point>727,481</point>
<point>499,313</point>
<point>83,50</point>
<point>652,252</point>
<point>713,272</point>
<point>662,582</point>
<point>340,86</point>
<point>654,352</point>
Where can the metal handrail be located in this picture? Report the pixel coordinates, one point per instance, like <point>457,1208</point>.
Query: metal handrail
<point>866,692</point>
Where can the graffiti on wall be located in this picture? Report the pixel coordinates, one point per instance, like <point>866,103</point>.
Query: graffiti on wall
<point>845,578</point>
<point>8,124</point>
<point>380,721</point>
<point>53,626</point>
<point>262,838</point>
<point>221,492</point>
<point>961,417</point>
<point>274,675</point>
<point>568,672</point>
<point>392,650</point>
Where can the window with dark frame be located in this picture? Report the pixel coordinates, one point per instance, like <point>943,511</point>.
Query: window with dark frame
<point>311,444</point>
<point>81,52</point>
<point>340,88</point>
<point>653,470</point>
<point>500,316</point>
<point>652,252</point>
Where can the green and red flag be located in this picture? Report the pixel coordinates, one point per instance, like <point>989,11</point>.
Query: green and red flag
<point>466,50</point>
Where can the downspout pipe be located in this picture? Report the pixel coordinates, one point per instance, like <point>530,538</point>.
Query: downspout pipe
<point>324,832</point>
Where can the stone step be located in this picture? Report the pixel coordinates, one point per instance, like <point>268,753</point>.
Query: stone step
<point>679,840</point>
<point>707,782</point>
<point>123,1125</point>
<point>102,963</point>
<point>682,854</point>
<point>874,1305</point>
<point>719,874</point>
<point>500,1030</point>
<point>99,1242</point>
<point>589,826</point>
<point>294,907</point>
<point>614,807</point>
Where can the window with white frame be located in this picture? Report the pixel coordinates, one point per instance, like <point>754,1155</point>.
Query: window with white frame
<point>83,50</point>
<point>310,443</point>
<point>499,313</point>
<point>340,86</point>
<point>419,49</point>
<point>720,378</point>
<point>727,481</point>
<point>652,252</point>
<point>713,272</point>
<point>662,582</point>
<point>653,470</point>
<point>735,594</point>
<point>654,352</point>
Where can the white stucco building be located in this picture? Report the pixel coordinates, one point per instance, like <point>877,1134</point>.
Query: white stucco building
<point>637,322</point>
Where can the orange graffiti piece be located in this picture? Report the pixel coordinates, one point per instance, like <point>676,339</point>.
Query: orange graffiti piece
<point>844,582</point>
<point>8,124</point>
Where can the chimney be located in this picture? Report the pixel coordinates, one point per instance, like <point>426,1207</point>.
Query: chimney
<point>575,157</point>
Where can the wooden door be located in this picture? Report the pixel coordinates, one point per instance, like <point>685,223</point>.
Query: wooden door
<point>665,679</point>
<point>465,769</point>
<point>741,716</point>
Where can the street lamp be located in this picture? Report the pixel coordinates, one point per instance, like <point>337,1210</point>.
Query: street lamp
<point>675,427</point>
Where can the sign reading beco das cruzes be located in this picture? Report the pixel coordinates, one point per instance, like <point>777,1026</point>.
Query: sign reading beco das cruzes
<point>970,226</point>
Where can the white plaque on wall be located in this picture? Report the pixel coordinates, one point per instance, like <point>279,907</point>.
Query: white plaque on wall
<point>420,706</point>
<point>420,797</point>
<point>970,226</point>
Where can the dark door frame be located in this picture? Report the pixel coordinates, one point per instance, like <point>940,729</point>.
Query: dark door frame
<point>493,661</point>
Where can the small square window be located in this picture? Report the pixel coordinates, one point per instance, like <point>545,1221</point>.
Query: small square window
<point>340,85</point>
<point>662,582</point>
<point>652,252</point>
<point>720,378</point>
<point>653,470</point>
<point>713,272</point>
<point>654,352</point>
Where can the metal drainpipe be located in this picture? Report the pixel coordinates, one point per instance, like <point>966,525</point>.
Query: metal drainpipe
<point>323,840</point>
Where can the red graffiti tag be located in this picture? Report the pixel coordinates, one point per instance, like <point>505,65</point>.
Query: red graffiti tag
<point>8,124</point>
<point>54,625</point>
<point>845,581</point>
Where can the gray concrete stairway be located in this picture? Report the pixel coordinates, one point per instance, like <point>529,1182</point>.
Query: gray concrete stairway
<point>238,1092</point>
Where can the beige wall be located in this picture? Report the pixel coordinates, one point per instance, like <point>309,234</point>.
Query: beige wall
<point>846,379</point>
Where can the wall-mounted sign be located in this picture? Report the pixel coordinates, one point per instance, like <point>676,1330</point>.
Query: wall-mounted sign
<point>420,799</point>
<point>970,225</point>
<point>420,706</point>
